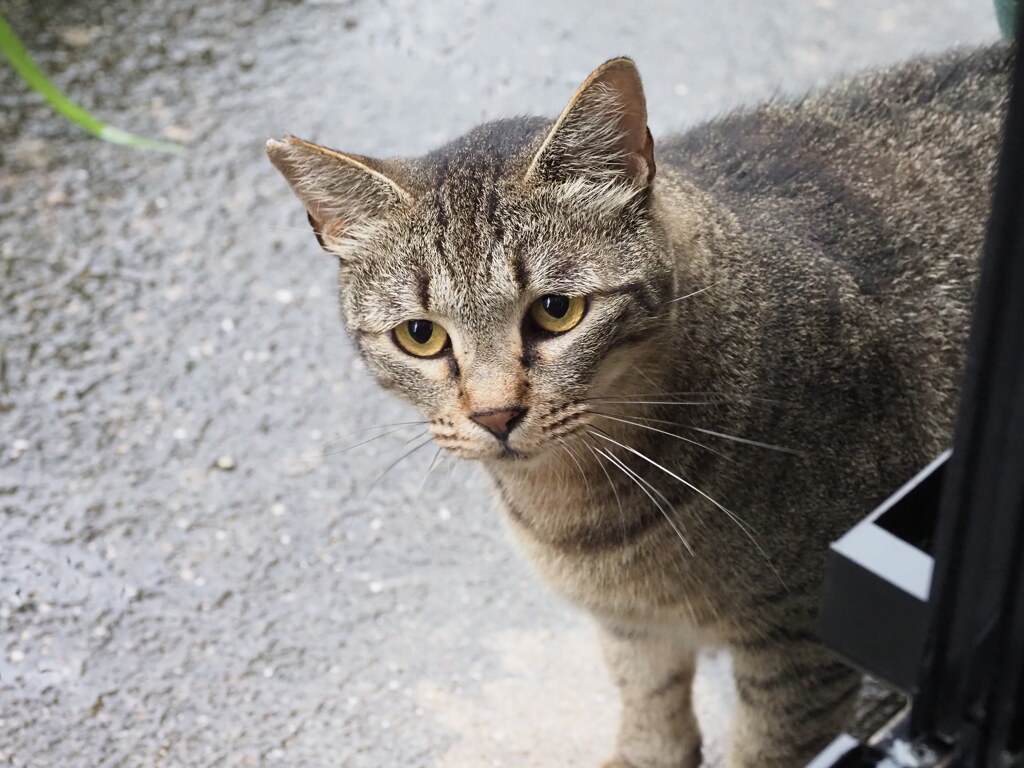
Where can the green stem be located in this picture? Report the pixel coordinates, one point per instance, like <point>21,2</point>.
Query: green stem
<point>15,52</point>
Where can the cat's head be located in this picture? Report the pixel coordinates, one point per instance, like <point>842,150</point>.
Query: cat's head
<point>505,280</point>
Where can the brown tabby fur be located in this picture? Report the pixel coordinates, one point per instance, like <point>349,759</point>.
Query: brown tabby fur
<point>777,309</point>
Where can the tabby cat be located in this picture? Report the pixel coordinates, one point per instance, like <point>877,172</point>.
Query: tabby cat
<point>685,371</point>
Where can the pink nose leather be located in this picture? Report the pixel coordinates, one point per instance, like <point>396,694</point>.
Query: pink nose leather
<point>498,423</point>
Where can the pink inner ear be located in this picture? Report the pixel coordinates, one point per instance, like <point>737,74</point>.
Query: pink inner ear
<point>646,153</point>
<point>633,120</point>
<point>637,139</point>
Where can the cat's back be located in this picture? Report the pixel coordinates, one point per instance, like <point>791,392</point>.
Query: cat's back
<point>879,172</point>
<point>936,116</point>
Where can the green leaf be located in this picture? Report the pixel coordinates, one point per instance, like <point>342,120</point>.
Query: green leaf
<point>15,52</point>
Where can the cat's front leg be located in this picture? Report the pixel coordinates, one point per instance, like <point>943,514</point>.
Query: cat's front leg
<point>653,669</point>
<point>794,697</point>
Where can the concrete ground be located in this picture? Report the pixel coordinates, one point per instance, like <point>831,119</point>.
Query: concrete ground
<point>185,578</point>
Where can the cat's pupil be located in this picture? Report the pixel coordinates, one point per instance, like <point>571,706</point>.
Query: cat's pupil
<point>421,330</point>
<point>556,306</point>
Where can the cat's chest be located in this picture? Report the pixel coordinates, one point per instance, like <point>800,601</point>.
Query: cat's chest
<point>609,549</point>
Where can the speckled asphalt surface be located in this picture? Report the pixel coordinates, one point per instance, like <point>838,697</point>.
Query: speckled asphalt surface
<point>185,578</point>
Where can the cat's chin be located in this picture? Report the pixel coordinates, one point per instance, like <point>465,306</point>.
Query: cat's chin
<point>505,455</point>
<point>508,456</point>
<point>511,454</point>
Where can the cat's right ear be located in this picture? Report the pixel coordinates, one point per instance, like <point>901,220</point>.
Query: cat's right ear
<point>601,137</point>
<point>344,194</point>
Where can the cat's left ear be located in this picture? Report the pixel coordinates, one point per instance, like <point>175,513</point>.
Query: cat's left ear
<point>602,135</point>
<point>343,194</point>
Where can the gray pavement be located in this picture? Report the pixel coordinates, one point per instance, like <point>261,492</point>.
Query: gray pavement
<point>185,580</point>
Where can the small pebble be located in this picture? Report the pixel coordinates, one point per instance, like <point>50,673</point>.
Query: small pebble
<point>226,463</point>
<point>78,37</point>
<point>56,197</point>
<point>177,133</point>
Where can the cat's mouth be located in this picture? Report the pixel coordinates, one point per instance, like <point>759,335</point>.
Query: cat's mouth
<point>511,454</point>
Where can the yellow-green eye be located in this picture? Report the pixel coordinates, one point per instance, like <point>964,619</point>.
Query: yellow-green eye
<point>558,314</point>
<point>421,337</point>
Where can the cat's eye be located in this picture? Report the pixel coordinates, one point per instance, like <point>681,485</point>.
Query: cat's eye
<point>421,338</point>
<point>557,314</point>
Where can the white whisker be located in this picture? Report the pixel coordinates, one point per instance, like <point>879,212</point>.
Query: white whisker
<point>364,442</point>
<point>746,441</point>
<point>641,483</point>
<point>695,293</point>
<point>663,432</point>
<point>718,397</point>
<point>430,469</point>
<point>347,435</point>
<point>405,455</point>
<point>615,491</point>
<point>735,438</point>
<point>732,515</point>
<point>636,368</point>
<point>304,230</point>
<point>611,401</point>
<point>565,447</point>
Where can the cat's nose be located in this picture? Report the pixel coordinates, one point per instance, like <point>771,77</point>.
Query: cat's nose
<point>500,422</point>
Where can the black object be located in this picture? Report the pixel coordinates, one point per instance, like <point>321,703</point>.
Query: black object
<point>957,645</point>
<point>874,605</point>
